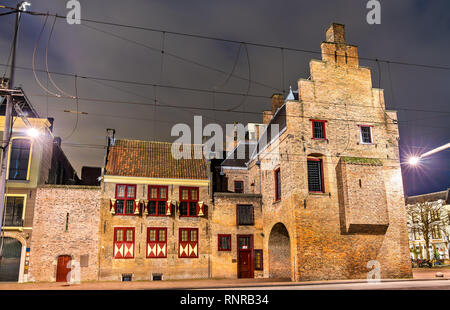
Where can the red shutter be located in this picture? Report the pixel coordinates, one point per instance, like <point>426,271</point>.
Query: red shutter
<point>157,248</point>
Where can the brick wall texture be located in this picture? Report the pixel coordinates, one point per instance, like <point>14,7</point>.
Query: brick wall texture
<point>50,236</point>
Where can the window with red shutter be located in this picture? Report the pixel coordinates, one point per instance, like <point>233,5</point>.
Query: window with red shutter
<point>188,201</point>
<point>188,243</point>
<point>125,199</point>
<point>123,246</point>
<point>157,200</point>
<point>156,242</point>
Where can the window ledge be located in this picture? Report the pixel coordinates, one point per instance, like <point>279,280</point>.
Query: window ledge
<point>275,202</point>
<point>319,194</point>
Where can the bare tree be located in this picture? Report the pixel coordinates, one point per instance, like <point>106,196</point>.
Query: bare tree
<point>428,220</point>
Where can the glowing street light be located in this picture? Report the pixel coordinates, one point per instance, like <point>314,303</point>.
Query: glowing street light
<point>33,132</point>
<point>413,161</point>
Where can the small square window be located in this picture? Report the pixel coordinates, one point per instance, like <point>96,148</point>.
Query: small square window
<point>238,186</point>
<point>119,235</point>
<point>130,235</point>
<point>366,134</point>
<point>193,235</point>
<point>318,129</point>
<point>162,236</point>
<point>152,235</point>
<point>120,191</point>
<point>185,194</point>
<point>259,260</point>
<point>224,242</point>
<point>184,235</point>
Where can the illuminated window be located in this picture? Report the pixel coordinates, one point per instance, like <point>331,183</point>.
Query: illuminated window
<point>188,243</point>
<point>19,159</point>
<point>157,200</point>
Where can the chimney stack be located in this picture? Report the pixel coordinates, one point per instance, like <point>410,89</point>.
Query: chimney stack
<point>277,101</point>
<point>336,34</point>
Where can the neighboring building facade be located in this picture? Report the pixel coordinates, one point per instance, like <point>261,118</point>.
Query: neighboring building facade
<point>30,162</point>
<point>154,216</point>
<point>65,233</point>
<point>440,233</point>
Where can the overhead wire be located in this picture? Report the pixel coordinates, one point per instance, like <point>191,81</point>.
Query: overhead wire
<point>46,62</point>
<point>34,66</point>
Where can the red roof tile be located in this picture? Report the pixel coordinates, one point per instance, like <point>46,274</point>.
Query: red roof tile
<point>153,159</point>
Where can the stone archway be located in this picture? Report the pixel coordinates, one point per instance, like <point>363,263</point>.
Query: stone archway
<point>279,252</point>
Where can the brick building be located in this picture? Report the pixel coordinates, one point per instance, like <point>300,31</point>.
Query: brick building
<point>32,162</point>
<point>319,201</point>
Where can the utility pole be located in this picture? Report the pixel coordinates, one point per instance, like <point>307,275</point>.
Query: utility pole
<point>8,117</point>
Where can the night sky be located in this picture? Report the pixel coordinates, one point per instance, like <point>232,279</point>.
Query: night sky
<point>411,31</point>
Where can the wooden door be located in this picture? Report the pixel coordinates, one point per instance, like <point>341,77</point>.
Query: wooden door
<point>63,268</point>
<point>245,256</point>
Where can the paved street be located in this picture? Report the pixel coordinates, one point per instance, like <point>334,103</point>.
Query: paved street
<point>423,279</point>
<point>398,285</point>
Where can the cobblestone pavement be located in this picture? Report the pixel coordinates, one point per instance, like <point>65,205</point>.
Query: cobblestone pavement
<point>426,274</point>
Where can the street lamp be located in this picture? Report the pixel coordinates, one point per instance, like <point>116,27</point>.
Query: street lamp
<point>33,132</point>
<point>413,161</point>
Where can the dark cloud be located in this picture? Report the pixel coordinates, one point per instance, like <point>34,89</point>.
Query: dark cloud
<point>410,31</point>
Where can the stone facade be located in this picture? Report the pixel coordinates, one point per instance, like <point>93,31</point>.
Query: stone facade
<point>335,233</point>
<point>357,216</point>
<point>66,222</point>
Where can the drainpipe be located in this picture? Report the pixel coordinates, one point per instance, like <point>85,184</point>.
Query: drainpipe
<point>258,163</point>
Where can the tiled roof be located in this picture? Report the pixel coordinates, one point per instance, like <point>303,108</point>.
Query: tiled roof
<point>154,160</point>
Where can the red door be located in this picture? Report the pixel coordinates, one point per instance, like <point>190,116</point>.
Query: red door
<point>245,256</point>
<point>62,269</point>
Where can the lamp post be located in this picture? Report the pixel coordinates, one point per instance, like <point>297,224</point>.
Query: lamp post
<point>8,117</point>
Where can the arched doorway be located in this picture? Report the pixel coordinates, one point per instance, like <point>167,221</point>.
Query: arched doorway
<point>279,252</point>
<point>10,262</point>
<point>63,268</point>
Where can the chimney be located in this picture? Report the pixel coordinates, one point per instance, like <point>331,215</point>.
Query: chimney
<point>336,34</point>
<point>277,101</point>
<point>335,49</point>
<point>57,141</point>
<point>111,137</point>
<point>267,116</point>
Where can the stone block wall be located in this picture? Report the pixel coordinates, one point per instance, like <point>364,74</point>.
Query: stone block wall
<point>66,222</point>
